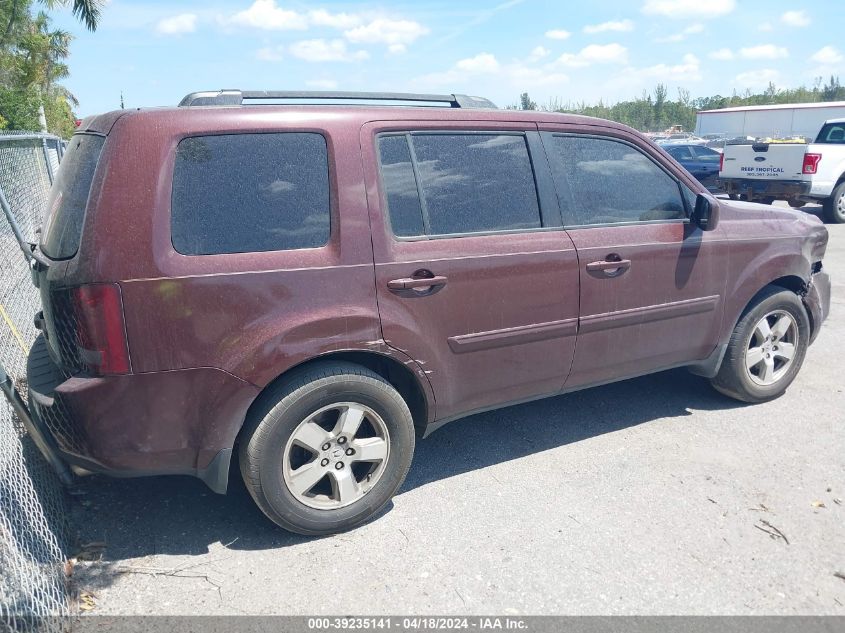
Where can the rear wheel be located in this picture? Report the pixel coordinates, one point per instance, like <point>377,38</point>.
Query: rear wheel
<point>834,207</point>
<point>328,448</point>
<point>766,348</point>
<point>795,204</point>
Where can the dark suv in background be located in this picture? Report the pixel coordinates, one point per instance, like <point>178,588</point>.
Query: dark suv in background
<point>315,285</point>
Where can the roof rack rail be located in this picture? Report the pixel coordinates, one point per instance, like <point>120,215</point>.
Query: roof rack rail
<point>238,97</point>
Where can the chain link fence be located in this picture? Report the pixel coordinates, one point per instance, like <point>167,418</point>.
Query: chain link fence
<point>33,528</point>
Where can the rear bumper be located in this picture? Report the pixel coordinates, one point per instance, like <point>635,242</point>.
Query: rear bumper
<point>754,188</point>
<point>174,422</point>
<point>817,301</point>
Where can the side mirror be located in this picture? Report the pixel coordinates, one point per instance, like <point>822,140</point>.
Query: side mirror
<point>706,213</point>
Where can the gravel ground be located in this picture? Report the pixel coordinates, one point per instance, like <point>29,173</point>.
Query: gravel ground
<point>650,496</point>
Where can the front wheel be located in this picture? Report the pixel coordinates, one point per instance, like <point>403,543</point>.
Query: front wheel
<point>834,207</point>
<point>766,348</point>
<point>328,448</point>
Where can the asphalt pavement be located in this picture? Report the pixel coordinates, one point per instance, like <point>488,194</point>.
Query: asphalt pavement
<point>652,496</point>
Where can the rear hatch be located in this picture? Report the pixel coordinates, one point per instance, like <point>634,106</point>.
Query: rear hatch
<point>60,241</point>
<point>764,161</point>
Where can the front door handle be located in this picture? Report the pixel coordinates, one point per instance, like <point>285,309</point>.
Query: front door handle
<point>422,279</point>
<point>610,266</point>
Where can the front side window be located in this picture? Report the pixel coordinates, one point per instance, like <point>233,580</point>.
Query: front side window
<point>604,181</point>
<point>442,184</point>
<point>240,193</point>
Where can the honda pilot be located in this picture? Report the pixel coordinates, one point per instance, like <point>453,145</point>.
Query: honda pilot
<point>314,286</point>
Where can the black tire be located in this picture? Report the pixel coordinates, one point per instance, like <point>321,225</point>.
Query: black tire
<point>766,200</point>
<point>281,411</point>
<point>795,204</point>
<point>733,378</point>
<point>834,207</point>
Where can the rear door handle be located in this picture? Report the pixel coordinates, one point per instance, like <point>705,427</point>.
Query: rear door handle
<point>409,283</point>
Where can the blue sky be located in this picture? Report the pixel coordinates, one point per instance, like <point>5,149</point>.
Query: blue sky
<point>156,52</point>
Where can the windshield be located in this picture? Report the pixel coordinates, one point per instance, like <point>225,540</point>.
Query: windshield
<point>69,197</point>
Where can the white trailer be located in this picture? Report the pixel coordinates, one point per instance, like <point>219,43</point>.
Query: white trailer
<point>769,121</point>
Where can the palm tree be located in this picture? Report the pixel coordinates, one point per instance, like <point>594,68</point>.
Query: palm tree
<point>87,11</point>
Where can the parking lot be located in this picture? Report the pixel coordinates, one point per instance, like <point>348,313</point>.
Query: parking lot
<point>652,496</point>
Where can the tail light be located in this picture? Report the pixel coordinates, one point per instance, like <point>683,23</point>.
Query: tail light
<point>722,162</point>
<point>100,330</point>
<point>811,163</point>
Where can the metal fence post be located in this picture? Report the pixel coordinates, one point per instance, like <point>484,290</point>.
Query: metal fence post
<point>47,159</point>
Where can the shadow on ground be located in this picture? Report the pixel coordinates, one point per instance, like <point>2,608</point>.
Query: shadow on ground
<point>179,515</point>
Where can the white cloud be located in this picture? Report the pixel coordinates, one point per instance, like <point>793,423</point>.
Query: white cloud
<point>321,50</point>
<point>765,27</point>
<point>481,63</point>
<point>722,54</point>
<point>685,9</point>
<point>538,53</point>
<point>321,17</point>
<point>764,51</point>
<point>558,34</point>
<point>485,70</point>
<point>828,55</point>
<point>177,24</point>
<point>795,18</point>
<point>270,54</point>
<point>688,71</point>
<point>595,54</point>
<point>755,79</point>
<point>322,84</point>
<point>264,14</point>
<point>681,36</point>
<point>618,26</point>
<point>397,34</point>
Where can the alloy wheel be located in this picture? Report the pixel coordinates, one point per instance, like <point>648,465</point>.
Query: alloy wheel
<point>771,348</point>
<point>336,455</point>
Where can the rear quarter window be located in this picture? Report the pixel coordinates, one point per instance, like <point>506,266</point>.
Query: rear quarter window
<point>69,196</point>
<point>239,193</point>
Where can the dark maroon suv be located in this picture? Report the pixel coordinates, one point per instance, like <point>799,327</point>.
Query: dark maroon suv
<point>315,285</point>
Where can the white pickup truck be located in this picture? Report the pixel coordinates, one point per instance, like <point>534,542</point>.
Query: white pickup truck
<point>795,172</point>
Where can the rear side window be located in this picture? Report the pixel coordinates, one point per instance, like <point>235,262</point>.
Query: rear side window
<point>603,181</point>
<point>69,196</point>
<point>707,155</point>
<point>833,133</point>
<point>442,184</point>
<point>239,193</point>
<point>680,153</point>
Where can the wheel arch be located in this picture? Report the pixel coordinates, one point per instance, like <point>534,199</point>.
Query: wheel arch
<point>793,283</point>
<point>406,380</point>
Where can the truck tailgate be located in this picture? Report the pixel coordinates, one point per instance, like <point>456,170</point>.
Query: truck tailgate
<point>764,161</point>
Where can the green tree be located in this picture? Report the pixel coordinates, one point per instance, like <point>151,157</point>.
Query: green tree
<point>525,102</point>
<point>660,93</point>
<point>33,62</point>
